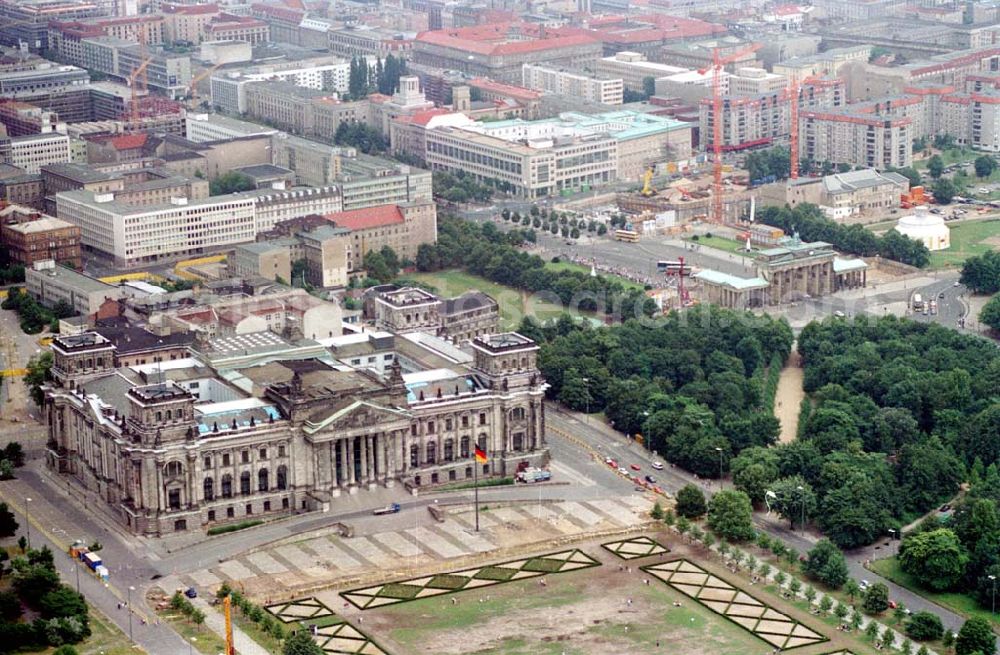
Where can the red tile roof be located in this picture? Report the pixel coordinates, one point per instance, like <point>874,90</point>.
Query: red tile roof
<point>422,118</point>
<point>127,141</point>
<point>496,38</point>
<point>500,88</point>
<point>363,219</point>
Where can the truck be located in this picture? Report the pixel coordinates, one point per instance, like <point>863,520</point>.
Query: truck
<point>918,302</point>
<point>531,474</point>
<point>92,560</point>
<point>391,508</point>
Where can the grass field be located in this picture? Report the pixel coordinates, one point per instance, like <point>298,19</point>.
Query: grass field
<point>958,603</point>
<point>578,613</point>
<point>951,156</point>
<point>719,243</point>
<point>967,239</point>
<point>514,305</point>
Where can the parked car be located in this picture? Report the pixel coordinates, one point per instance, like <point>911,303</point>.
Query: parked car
<point>623,470</point>
<point>650,479</point>
<point>191,592</point>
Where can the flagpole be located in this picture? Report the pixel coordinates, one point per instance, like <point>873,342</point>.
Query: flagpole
<point>475,486</point>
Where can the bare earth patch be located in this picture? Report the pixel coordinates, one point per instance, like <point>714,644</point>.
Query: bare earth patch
<point>789,396</point>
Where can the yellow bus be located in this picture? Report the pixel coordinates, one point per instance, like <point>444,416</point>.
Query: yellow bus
<point>627,235</point>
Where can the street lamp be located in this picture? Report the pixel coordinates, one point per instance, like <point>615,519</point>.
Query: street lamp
<point>719,450</point>
<point>129,608</point>
<point>586,381</point>
<point>892,534</point>
<point>802,504</point>
<point>27,521</point>
<point>190,645</point>
<point>645,432</point>
<point>993,579</point>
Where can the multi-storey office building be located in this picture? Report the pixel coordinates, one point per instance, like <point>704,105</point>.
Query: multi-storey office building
<point>553,80</point>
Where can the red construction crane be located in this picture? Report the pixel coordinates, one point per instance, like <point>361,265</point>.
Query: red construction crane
<point>718,64</point>
<point>793,97</point>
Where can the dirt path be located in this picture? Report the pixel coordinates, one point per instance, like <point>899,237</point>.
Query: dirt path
<point>789,396</point>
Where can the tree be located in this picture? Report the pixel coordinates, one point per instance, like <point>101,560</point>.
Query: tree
<point>754,470</point>
<point>575,392</point>
<point>361,136</point>
<point>301,643</point>
<point>63,602</point>
<point>990,313</point>
<point>691,502</point>
<point>981,273</point>
<point>794,499</point>
<point>230,182</point>
<point>876,599</point>
<point>826,563</point>
<point>8,524</point>
<point>976,636</point>
<point>38,374</point>
<point>935,166</point>
<point>730,515</point>
<point>936,558</point>
<point>649,86</point>
<point>985,165</point>
<point>924,626</point>
<point>944,190</point>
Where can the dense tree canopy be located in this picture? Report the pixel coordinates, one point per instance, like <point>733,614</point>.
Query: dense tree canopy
<point>981,273</point>
<point>691,384</point>
<point>934,558</point>
<point>811,225</point>
<point>486,251</point>
<point>730,515</point>
<point>900,389</point>
<point>976,636</point>
<point>826,563</point>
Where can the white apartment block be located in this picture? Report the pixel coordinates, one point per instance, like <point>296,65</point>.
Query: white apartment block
<point>858,139</point>
<point>215,127</point>
<point>229,90</point>
<point>748,81</point>
<point>36,150</point>
<point>553,80</point>
<point>632,68</point>
<point>973,119</point>
<point>138,236</point>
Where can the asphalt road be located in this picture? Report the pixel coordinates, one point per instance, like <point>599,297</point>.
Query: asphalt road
<point>627,452</point>
<point>951,307</point>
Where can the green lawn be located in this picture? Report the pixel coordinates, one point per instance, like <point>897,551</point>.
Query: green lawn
<point>958,603</point>
<point>720,243</point>
<point>952,156</point>
<point>967,239</point>
<point>514,305</point>
<point>568,621</point>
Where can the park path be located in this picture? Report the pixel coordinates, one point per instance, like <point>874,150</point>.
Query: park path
<point>789,397</point>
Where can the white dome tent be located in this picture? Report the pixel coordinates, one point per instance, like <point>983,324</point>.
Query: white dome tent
<point>925,227</point>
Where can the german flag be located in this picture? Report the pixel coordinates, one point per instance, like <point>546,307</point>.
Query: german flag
<point>480,455</point>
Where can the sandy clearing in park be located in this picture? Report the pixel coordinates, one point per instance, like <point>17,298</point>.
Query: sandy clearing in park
<point>789,397</point>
